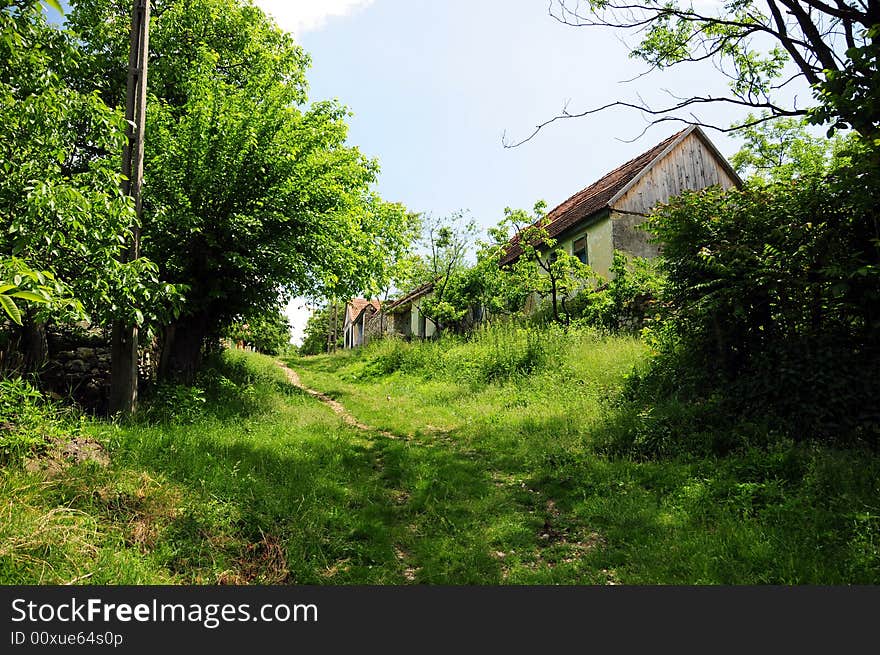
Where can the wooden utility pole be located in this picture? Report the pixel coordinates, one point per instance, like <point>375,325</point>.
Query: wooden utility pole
<point>124,349</point>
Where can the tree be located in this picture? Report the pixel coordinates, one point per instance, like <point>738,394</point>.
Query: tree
<point>267,332</point>
<point>774,298</point>
<point>250,195</point>
<point>784,149</point>
<point>761,47</point>
<point>542,268</point>
<point>63,214</point>
<point>447,240</point>
<point>319,331</point>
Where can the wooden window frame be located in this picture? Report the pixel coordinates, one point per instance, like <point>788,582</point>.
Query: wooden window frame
<point>586,249</point>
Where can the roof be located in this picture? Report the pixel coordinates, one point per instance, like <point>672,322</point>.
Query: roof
<point>418,292</point>
<point>598,196</point>
<point>356,306</point>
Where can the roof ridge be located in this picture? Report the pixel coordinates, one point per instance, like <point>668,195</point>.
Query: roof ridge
<point>659,146</point>
<point>561,218</point>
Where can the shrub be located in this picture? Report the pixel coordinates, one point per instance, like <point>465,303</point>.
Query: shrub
<point>26,419</point>
<point>175,403</point>
<point>774,299</point>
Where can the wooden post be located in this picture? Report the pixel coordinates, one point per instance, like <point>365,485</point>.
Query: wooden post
<point>124,347</point>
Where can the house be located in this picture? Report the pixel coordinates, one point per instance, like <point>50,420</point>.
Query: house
<point>604,216</point>
<point>403,317</point>
<point>358,312</point>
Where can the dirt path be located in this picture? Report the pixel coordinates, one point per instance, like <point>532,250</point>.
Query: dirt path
<point>336,406</point>
<point>410,571</point>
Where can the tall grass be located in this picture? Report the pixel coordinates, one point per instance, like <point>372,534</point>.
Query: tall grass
<point>588,483</point>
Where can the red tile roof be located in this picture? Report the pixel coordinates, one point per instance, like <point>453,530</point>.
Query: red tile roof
<point>357,305</point>
<point>594,198</point>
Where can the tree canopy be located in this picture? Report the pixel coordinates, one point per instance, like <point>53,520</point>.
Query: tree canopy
<point>61,208</point>
<point>250,194</point>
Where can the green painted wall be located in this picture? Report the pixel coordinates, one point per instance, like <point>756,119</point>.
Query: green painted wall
<point>600,247</point>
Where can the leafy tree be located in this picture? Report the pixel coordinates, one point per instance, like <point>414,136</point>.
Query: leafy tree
<point>320,328</point>
<point>761,47</point>
<point>60,204</point>
<point>447,240</point>
<point>627,301</point>
<point>249,194</point>
<point>541,268</point>
<point>784,149</point>
<point>774,291</point>
<point>268,332</point>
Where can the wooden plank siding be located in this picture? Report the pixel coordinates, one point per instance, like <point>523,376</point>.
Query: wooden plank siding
<point>692,163</point>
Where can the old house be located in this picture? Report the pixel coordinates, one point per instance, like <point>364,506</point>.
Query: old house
<point>403,317</point>
<point>358,312</point>
<point>603,217</point>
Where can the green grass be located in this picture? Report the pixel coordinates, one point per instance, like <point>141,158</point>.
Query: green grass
<point>534,481</point>
<point>498,472</point>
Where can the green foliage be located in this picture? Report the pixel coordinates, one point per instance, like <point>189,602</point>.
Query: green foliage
<point>559,480</point>
<point>491,353</point>
<point>65,221</point>
<point>28,421</point>
<point>175,403</point>
<point>542,268</point>
<point>626,302</point>
<point>773,291</point>
<point>322,323</point>
<point>268,333</point>
<point>250,195</point>
<point>783,149</point>
<point>456,288</point>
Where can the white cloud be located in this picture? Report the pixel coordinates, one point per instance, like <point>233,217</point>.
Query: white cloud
<point>299,16</point>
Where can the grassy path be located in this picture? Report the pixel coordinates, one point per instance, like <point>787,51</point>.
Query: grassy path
<point>351,477</point>
<point>460,517</point>
<point>506,481</point>
<point>410,572</point>
<point>337,407</point>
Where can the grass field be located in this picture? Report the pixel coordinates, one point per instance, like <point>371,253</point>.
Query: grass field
<point>495,473</point>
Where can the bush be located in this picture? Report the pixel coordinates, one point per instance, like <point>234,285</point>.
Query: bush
<point>774,304</point>
<point>626,301</point>
<point>175,403</point>
<point>27,420</point>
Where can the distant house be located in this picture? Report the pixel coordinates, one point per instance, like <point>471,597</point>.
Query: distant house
<point>403,317</point>
<point>602,218</point>
<point>358,312</point>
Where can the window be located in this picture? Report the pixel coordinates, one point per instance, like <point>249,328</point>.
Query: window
<point>579,249</point>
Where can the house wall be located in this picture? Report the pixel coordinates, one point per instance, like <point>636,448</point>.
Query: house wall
<point>690,165</point>
<point>430,328</point>
<point>600,249</point>
<point>402,323</point>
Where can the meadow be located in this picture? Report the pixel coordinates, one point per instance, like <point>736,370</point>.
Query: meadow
<point>503,459</point>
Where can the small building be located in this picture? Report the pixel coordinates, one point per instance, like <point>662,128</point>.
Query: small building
<point>403,317</point>
<point>604,216</point>
<point>358,312</point>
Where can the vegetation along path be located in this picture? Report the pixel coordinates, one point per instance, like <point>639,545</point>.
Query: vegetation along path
<point>337,407</point>
<point>496,460</point>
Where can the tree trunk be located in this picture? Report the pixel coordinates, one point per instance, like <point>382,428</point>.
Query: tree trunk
<point>182,348</point>
<point>555,300</point>
<point>34,345</point>
<point>123,368</point>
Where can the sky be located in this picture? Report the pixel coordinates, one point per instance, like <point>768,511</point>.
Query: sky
<point>434,87</point>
